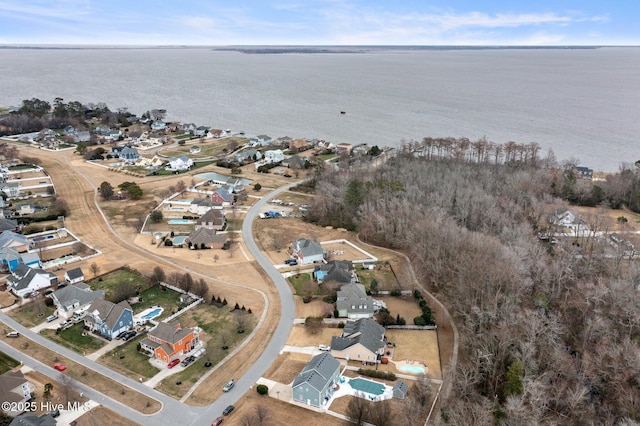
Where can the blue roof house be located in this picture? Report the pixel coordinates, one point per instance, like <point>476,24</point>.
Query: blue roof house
<point>314,385</point>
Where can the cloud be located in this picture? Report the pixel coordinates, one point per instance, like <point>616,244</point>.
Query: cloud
<point>198,22</point>
<point>67,9</point>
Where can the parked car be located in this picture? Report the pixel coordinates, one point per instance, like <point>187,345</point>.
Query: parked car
<point>13,334</point>
<point>324,347</point>
<point>173,363</point>
<point>228,386</point>
<point>55,413</point>
<point>52,318</point>
<point>188,360</point>
<point>48,292</point>
<point>129,335</point>
<point>217,421</point>
<point>228,410</point>
<point>291,262</point>
<point>59,366</point>
<point>66,323</point>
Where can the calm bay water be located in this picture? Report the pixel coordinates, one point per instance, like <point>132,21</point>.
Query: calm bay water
<point>582,103</point>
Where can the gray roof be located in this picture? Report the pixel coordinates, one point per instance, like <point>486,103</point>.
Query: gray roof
<point>308,247</point>
<point>206,236</point>
<point>365,331</point>
<point>33,420</point>
<point>108,312</point>
<point>8,382</point>
<point>76,293</point>
<point>338,271</point>
<point>74,273</point>
<point>170,333</point>
<point>354,299</point>
<point>8,237</point>
<point>400,386</point>
<point>8,224</point>
<point>30,257</point>
<point>318,371</point>
<point>23,275</point>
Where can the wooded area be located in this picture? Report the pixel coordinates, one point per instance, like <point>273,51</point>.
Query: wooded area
<point>548,333</point>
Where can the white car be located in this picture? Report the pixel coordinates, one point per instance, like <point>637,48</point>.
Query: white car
<point>324,348</point>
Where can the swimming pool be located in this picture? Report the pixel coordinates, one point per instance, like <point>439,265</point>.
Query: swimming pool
<point>180,222</point>
<point>151,313</point>
<point>367,386</point>
<point>413,369</point>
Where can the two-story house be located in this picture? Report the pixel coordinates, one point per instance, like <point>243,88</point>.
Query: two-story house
<point>109,319</point>
<point>25,280</point>
<point>167,341</point>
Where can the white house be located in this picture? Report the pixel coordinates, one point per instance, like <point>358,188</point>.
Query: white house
<point>565,218</point>
<point>24,280</point>
<point>180,163</point>
<point>273,156</point>
<point>307,251</point>
<point>158,125</point>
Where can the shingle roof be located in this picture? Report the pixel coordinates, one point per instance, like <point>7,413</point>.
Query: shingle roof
<point>23,275</point>
<point>365,331</point>
<point>206,236</point>
<point>212,216</point>
<point>108,312</point>
<point>8,238</point>
<point>8,382</point>
<point>318,371</point>
<point>170,333</point>
<point>308,247</point>
<point>74,273</point>
<point>77,293</point>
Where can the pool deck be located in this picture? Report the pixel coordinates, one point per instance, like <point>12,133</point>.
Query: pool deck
<point>411,363</point>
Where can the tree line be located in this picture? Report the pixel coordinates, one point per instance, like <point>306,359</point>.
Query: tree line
<point>548,333</point>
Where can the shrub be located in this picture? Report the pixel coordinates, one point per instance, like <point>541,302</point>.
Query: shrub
<point>417,295</point>
<point>377,374</point>
<point>419,321</point>
<point>262,389</point>
<point>396,292</point>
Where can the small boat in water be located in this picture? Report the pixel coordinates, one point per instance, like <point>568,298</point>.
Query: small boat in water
<point>343,112</point>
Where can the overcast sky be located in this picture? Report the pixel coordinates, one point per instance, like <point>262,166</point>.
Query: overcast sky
<point>320,22</point>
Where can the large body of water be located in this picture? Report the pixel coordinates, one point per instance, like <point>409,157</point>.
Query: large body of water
<point>582,103</point>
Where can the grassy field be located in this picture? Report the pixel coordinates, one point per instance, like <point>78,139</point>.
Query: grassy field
<point>386,280</point>
<point>7,363</point>
<point>219,326</point>
<point>110,281</point>
<point>155,296</point>
<point>299,282</point>
<point>31,314</point>
<point>210,148</point>
<point>74,339</point>
<point>127,360</point>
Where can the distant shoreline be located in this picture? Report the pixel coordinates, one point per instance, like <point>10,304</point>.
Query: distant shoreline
<point>258,49</point>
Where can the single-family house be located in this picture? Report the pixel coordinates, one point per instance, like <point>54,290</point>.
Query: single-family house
<point>180,163</point>
<point>222,195</point>
<point>201,131</point>
<point>69,130</point>
<point>82,136</point>
<point>12,189</point>
<point>213,219</point>
<point>10,258</point>
<point>233,183</point>
<point>315,384</point>
<point>17,241</point>
<point>353,302</point>
<point>149,162</point>
<point>340,271</point>
<point>75,298</point>
<point>102,130</point>
<point>189,128</point>
<point>129,154</point>
<point>158,125</point>
<point>167,341</point>
<point>202,205</point>
<point>400,389</point>
<point>344,148</point>
<point>273,156</point>
<point>206,238</point>
<point>8,224</point>
<point>25,208</point>
<point>108,319</point>
<point>361,340</point>
<point>307,251</point>
<point>15,391</point>
<point>565,218</point>
<point>263,140</point>
<point>25,280</point>
<point>298,145</point>
<point>296,162</point>
<point>247,155</point>
<point>74,275</point>
<point>215,133</point>
<point>583,172</point>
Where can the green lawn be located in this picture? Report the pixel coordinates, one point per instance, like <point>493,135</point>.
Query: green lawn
<point>210,148</point>
<point>325,157</point>
<point>154,296</point>
<point>7,363</point>
<point>300,280</point>
<point>74,339</point>
<point>215,323</point>
<point>108,282</point>
<point>386,280</point>
<point>31,314</point>
<point>127,360</point>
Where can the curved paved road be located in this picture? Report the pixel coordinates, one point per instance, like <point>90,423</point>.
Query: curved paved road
<point>173,411</point>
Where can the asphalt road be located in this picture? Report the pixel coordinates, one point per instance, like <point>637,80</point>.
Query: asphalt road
<point>174,412</point>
